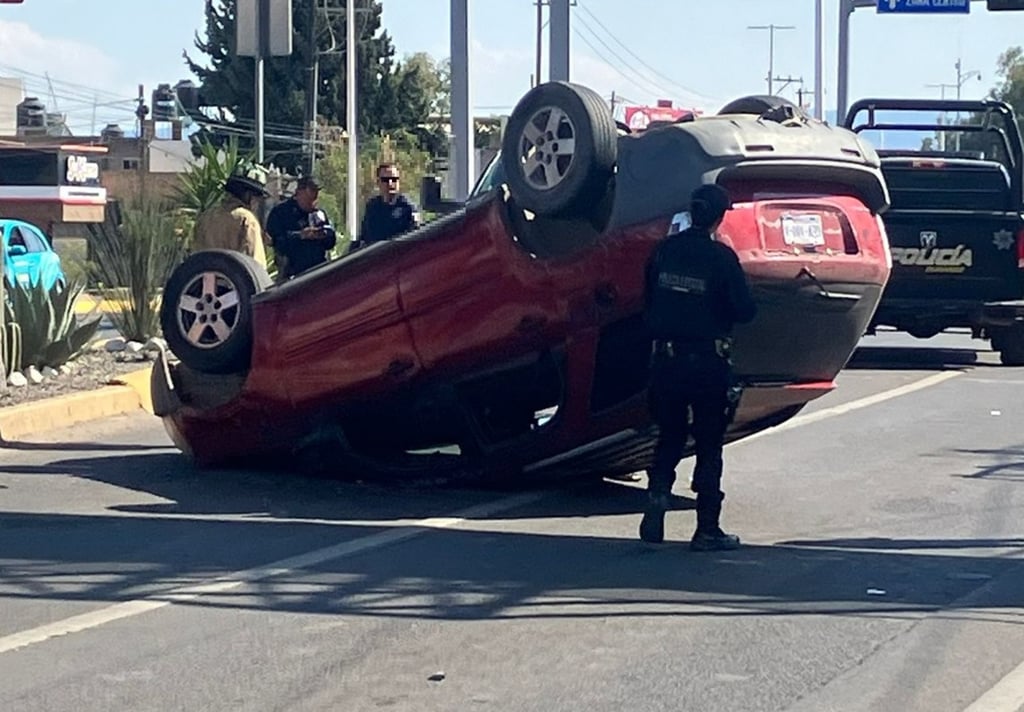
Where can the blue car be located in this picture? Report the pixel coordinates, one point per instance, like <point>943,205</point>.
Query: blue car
<point>28,258</point>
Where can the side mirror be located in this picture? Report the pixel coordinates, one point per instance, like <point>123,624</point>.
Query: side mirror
<point>17,250</point>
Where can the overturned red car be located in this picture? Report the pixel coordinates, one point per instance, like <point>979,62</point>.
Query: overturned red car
<point>506,339</point>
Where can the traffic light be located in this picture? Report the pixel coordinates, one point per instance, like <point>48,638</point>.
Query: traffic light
<point>997,5</point>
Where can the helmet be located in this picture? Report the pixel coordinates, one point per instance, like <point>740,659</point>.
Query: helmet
<point>248,178</point>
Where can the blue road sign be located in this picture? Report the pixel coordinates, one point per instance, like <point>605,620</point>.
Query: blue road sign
<point>924,6</point>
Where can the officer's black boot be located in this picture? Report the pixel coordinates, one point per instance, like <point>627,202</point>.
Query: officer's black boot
<point>652,526</point>
<point>709,535</point>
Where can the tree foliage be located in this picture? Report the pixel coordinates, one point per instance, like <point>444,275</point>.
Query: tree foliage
<point>392,96</point>
<point>1010,70</point>
<point>990,144</point>
<point>332,172</point>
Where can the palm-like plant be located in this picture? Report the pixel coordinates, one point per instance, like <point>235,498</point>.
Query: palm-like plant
<point>202,185</point>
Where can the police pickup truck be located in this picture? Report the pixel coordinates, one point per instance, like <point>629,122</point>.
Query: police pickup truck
<point>955,226</point>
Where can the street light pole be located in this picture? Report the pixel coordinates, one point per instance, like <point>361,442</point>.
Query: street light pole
<point>540,41</point>
<point>819,60</point>
<point>771,48</point>
<point>462,114</point>
<point>351,121</point>
<point>962,77</point>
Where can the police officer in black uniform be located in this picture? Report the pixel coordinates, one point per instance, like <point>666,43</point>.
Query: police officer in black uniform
<point>388,214</point>
<point>695,292</point>
<point>302,234</point>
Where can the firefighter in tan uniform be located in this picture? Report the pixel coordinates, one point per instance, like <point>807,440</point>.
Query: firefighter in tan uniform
<point>232,224</point>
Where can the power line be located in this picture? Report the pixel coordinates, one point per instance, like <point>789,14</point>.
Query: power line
<point>638,58</point>
<point>644,84</point>
<point>71,86</point>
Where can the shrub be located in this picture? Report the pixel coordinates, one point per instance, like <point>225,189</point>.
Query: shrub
<point>202,185</point>
<point>135,250</point>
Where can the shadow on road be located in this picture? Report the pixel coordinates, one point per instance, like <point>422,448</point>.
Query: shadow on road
<point>914,358</point>
<point>470,574</point>
<point>1008,464</point>
<point>908,544</point>
<point>27,446</point>
<point>187,491</point>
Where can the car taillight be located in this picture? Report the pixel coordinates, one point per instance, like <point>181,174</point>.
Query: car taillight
<point>1020,249</point>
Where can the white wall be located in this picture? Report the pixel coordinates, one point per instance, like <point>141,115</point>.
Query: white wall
<point>12,92</point>
<point>167,156</point>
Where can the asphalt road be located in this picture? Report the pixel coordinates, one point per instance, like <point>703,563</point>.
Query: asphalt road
<point>882,572</point>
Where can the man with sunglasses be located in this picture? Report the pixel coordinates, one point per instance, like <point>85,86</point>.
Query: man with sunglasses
<point>388,214</point>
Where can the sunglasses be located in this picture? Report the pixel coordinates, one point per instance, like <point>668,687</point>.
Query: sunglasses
<point>388,179</point>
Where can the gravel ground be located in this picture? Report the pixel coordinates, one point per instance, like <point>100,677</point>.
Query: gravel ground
<point>91,370</point>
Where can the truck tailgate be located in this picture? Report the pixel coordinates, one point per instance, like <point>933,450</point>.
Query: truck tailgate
<point>958,255</point>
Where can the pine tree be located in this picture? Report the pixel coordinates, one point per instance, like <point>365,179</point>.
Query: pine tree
<point>227,81</point>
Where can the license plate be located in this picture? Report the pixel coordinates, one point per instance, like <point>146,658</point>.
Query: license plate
<point>803,230</point>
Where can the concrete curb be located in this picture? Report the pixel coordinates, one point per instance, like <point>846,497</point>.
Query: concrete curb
<point>128,393</point>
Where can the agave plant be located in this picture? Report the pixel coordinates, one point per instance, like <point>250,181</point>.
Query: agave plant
<point>134,252</point>
<point>50,332</point>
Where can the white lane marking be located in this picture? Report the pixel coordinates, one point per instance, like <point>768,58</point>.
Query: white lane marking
<point>129,609</point>
<point>843,408</point>
<point>1006,696</point>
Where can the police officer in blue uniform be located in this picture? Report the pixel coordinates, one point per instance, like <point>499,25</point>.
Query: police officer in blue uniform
<point>695,292</point>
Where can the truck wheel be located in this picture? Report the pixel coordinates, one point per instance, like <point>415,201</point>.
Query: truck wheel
<point>1011,352</point>
<point>559,150</point>
<point>206,312</point>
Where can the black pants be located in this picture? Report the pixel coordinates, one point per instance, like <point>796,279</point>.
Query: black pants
<point>681,383</point>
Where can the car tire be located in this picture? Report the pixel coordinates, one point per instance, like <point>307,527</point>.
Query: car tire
<point>544,175</point>
<point>1011,348</point>
<point>758,105</point>
<point>206,311</point>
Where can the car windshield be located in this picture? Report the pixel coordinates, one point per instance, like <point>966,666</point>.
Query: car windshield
<point>491,178</point>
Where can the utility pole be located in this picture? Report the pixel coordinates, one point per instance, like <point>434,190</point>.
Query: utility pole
<point>819,60</point>
<point>790,80</point>
<point>942,94</point>
<point>962,77</point>
<point>786,81</point>
<point>463,127</point>
<point>540,39</point>
<point>351,51</point>
<point>141,112</point>
<point>558,43</point>
<point>771,48</point>
<point>314,81</point>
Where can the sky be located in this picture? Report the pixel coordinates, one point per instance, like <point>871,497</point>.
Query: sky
<point>697,53</point>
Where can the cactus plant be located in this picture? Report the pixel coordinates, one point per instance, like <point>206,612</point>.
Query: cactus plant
<point>51,333</point>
